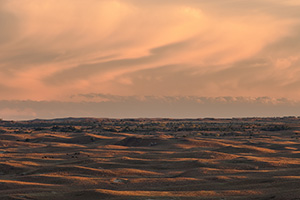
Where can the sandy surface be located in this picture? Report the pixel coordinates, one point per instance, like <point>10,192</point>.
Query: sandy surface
<point>150,159</point>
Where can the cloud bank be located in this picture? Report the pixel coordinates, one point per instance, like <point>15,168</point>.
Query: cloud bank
<point>111,106</point>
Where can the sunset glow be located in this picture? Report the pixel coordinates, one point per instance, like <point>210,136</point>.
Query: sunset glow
<point>58,50</point>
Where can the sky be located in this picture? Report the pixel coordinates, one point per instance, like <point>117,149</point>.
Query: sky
<point>128,56</point>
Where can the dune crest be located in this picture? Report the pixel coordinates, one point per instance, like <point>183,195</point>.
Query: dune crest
<point>251,158</point>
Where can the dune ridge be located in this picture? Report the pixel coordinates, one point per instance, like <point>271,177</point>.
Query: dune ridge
<point>88,158</point>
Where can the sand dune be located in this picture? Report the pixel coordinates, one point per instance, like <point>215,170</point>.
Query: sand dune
<point>150,159</point>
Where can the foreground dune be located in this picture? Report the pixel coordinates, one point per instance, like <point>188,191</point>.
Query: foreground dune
<point>150,159</point>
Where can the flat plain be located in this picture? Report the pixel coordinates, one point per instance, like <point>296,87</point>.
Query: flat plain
<point>150,159</point>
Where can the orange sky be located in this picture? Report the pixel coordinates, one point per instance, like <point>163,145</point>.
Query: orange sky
<point>55,50</point>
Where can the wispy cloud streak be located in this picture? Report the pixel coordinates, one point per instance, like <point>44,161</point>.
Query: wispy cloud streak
<point>132,47</point>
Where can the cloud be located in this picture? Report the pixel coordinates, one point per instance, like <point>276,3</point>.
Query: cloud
<point>9,26</point>
<point>51,50</point>
<point>17,114</point>
<point>98,98</point>
<point>101,105</point>
<point>113,68</point>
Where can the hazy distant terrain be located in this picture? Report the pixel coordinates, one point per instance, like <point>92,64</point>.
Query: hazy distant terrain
<point>90,158</point>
